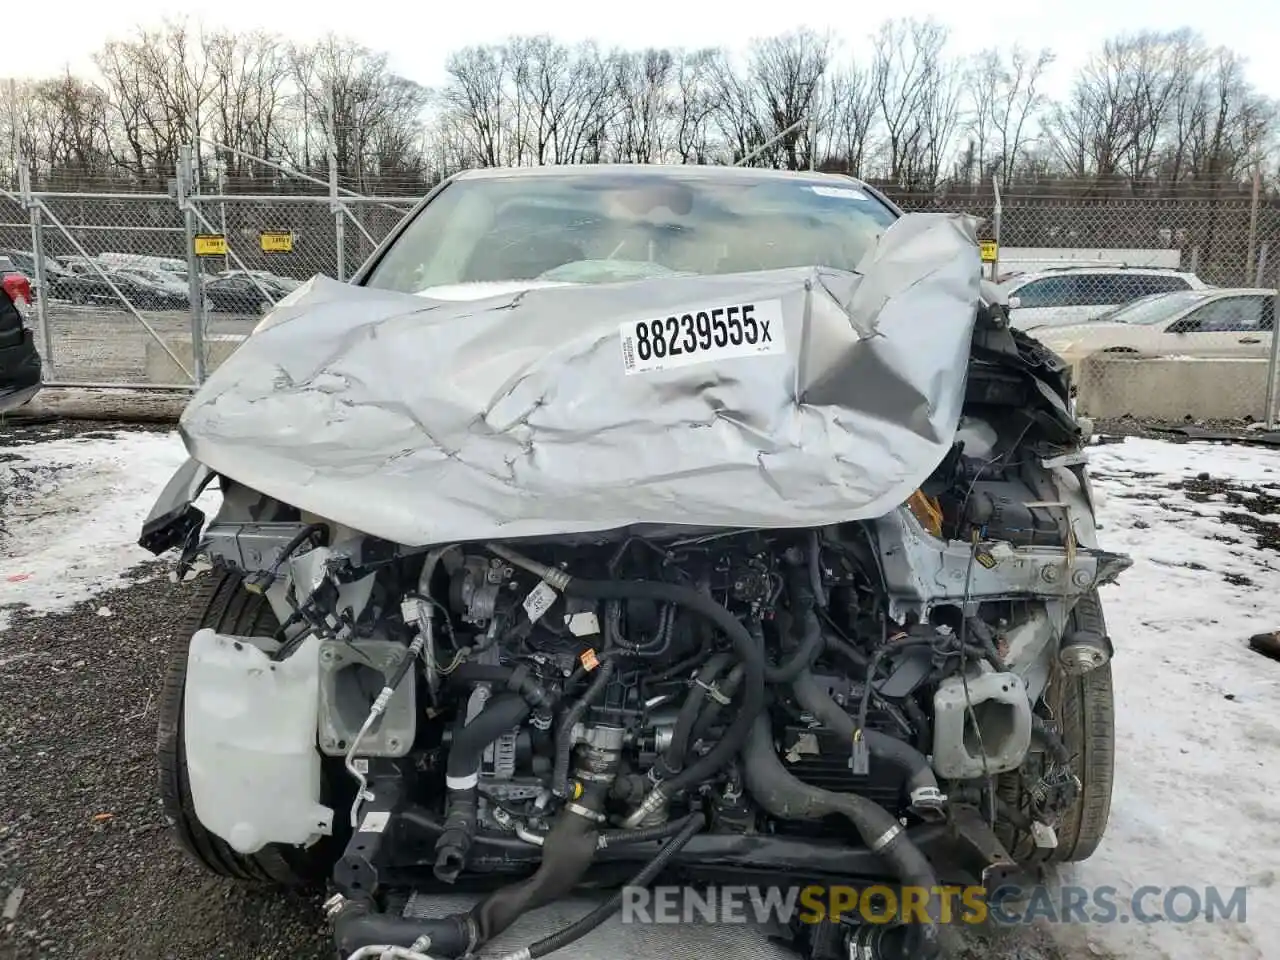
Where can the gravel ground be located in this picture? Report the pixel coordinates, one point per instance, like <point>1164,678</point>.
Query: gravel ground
<point>81,828</point>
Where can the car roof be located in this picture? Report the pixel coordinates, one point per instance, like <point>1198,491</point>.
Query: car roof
<point>672,170</point>
<point>1231,291</point>
<point>1098,268</point>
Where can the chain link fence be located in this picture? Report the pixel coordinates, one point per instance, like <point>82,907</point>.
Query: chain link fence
<point>1165,306</point>
<point>153,291</point>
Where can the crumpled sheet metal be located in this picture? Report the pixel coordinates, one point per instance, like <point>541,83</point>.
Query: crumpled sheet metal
<point>427,421</point>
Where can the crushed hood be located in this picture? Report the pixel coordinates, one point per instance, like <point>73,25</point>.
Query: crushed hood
<point>548,411</point>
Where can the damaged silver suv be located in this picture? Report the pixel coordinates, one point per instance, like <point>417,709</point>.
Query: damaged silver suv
<point>626,523</point>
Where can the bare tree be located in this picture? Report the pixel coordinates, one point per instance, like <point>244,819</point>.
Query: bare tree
<point>476,101</point>
<point>1005,102</point>
<point>913,87</point>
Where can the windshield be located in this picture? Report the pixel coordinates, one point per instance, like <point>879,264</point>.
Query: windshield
<point>600,228</point>
<point>1155,308</point>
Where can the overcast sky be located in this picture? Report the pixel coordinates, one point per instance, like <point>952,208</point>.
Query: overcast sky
<point>418,36</point>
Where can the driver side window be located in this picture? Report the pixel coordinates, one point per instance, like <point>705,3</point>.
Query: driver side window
<point>1230,315</point>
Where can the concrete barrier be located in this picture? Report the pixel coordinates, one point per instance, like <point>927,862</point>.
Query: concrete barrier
<point>161,368</point>
<point>1171,388</point>
<point>92,403</point>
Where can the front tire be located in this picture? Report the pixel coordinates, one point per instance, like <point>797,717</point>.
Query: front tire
<point>221,603</point>
<point>1083,708</point>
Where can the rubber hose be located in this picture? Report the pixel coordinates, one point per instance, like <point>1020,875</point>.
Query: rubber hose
<point>924,733</point>
<point>812,697</point>
<point>564,736</point>
<point>672,759</point>
<point>462,770</point>
<point>711,712</point>
<point>525,685</point>
<point>811,644</point>
<point>682,666</point>
<point>567,853</point>
<point>749,653</point>
<point>358,924</point>
<point>787,798</point>
<point>499,715</point>
<point>815,570</point>
<point>581,927</point>
<point>847,650</point>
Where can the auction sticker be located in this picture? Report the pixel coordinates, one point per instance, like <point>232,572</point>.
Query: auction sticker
<point>719,332</point>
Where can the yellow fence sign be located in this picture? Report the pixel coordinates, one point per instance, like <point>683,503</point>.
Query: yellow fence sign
<point>276,241</point>
<point>210,245</point>
<point>990,250</point>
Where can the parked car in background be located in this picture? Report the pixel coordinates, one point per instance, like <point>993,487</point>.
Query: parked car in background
<point>92,288</point>
<point>167,282</point>
<point>1064,295</point>
<point>237,293</point>
<point>20,371</point>
<point>1189,323</point>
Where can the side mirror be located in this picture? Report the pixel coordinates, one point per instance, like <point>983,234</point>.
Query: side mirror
<point>1015,302</point>
<point>1180,326</point>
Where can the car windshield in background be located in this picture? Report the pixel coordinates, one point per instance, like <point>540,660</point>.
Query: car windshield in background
<point>1155,308</point>
<point>601,228</point>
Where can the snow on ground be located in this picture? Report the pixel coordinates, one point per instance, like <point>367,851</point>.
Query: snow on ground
<point>71,510</point>
<point>1197,713</point>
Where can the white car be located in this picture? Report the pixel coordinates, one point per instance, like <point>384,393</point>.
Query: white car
<point>1191,323</point>
<point>1075,294</point>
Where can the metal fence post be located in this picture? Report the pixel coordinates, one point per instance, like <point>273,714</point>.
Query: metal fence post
<point>1270,418</point>
<point>996,211</point>
<point>37,255</point>
<point>195,288</point>
<point>1253,221</point>
<point>335,203</point>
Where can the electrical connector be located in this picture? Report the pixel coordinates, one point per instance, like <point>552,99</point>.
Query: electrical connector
<point>259,582</point>
<point>860,756</point>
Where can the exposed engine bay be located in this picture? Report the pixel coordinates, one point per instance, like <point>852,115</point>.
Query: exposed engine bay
<point>559,705</point>
<point>845,703</point>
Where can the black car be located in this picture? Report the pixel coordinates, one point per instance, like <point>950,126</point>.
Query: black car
<point>19,361</point>
<point>93,288</point>
<point>237,293</point>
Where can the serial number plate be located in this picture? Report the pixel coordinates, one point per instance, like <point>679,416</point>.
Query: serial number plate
<point>702,335</point>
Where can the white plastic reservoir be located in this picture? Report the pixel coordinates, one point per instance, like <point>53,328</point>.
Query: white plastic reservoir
<point>250,739</point>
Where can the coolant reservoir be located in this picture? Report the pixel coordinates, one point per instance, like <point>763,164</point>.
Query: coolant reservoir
<point>250,740</point>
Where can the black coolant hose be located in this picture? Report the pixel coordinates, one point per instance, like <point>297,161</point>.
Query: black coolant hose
<point>567,852</point>
<point>671,761</point>
<point>749,653</point>
<point>515,679</point>
<point>803,610</point>
<point>811,644</point>
<point>581,927</point>
<point>787,798</point>
<point>462,774</point>
<point>922,785</point>
<point>361,924</point>
<point>564,736</point>
<point>711,712</point>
